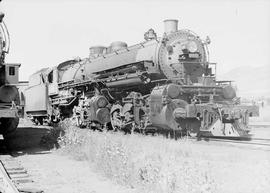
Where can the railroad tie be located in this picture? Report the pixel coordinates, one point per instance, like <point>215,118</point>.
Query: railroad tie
<point>18,176</point>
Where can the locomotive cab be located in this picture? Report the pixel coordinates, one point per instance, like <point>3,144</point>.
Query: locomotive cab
<point>36,96</point>
<point>9,74</point>
<point>42,85</point>
<point>52,79</point>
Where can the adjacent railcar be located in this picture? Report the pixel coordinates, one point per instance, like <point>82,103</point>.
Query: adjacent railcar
<point>163,84</point>
<point>9,95</point>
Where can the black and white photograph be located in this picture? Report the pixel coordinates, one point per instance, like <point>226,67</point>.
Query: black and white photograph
<point>125,96</point>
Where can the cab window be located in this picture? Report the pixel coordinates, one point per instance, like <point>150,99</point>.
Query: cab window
<point>50,77</point>
<point>11,71</point>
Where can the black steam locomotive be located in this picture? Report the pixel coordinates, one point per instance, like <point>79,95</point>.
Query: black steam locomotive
<point>9,95</point>
<point>164,83</point>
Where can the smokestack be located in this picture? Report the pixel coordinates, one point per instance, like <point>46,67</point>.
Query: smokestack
<point>170,25</point>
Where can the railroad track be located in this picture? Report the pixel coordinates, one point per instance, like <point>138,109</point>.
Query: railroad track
<point>250,142</point>
<point>14,177</point>
<point>253,143</point>
<point>259,124</point>
<point>6,184</point>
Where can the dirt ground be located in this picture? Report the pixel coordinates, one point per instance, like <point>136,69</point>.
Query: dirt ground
<point>54,173</point>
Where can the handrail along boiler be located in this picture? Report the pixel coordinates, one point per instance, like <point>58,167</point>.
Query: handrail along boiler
<point>164,83</point>
<point>9,95</point>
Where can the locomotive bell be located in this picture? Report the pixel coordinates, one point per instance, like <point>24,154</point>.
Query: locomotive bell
<point>170,26</point>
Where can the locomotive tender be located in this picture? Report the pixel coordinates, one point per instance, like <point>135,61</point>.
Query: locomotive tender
<point>164,83</point>
<point>9,94</point>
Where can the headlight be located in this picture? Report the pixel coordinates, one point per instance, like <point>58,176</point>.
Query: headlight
<point>192,46</point>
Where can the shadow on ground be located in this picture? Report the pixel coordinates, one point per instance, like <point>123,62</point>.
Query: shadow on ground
<point>28,140</point>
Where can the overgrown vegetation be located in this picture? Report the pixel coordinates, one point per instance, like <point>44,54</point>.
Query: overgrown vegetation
<point>151,164</point>
<point>51,139</point>
<point>159,165</point>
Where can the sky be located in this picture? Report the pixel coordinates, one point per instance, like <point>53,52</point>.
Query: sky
<point>46,33</point>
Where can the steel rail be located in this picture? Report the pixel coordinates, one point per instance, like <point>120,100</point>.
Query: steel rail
<point>256,142</point>
<point>6,185</point>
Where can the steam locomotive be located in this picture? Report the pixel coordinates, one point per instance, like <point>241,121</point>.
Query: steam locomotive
<point>161,84</point>
<point>9,95</point>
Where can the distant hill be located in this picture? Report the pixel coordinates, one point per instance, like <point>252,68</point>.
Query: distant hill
<point>250,81</point>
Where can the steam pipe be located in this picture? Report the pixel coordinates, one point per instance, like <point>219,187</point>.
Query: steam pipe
<point>125,82</point>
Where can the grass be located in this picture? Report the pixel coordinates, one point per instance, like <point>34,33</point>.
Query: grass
<point>159,165</point>
<point>151,164</point>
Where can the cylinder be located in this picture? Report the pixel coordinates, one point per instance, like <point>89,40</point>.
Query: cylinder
<point>170,26</point>
<point>173,90</point>
<point>101,101</point>
<point>228,92</point>
<point>103,115</point>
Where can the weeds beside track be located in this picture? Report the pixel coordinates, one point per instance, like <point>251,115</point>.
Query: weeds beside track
<point>156,164</point>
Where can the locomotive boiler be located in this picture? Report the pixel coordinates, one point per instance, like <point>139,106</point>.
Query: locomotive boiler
<point>9,95</point>
<point>161,84</point>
